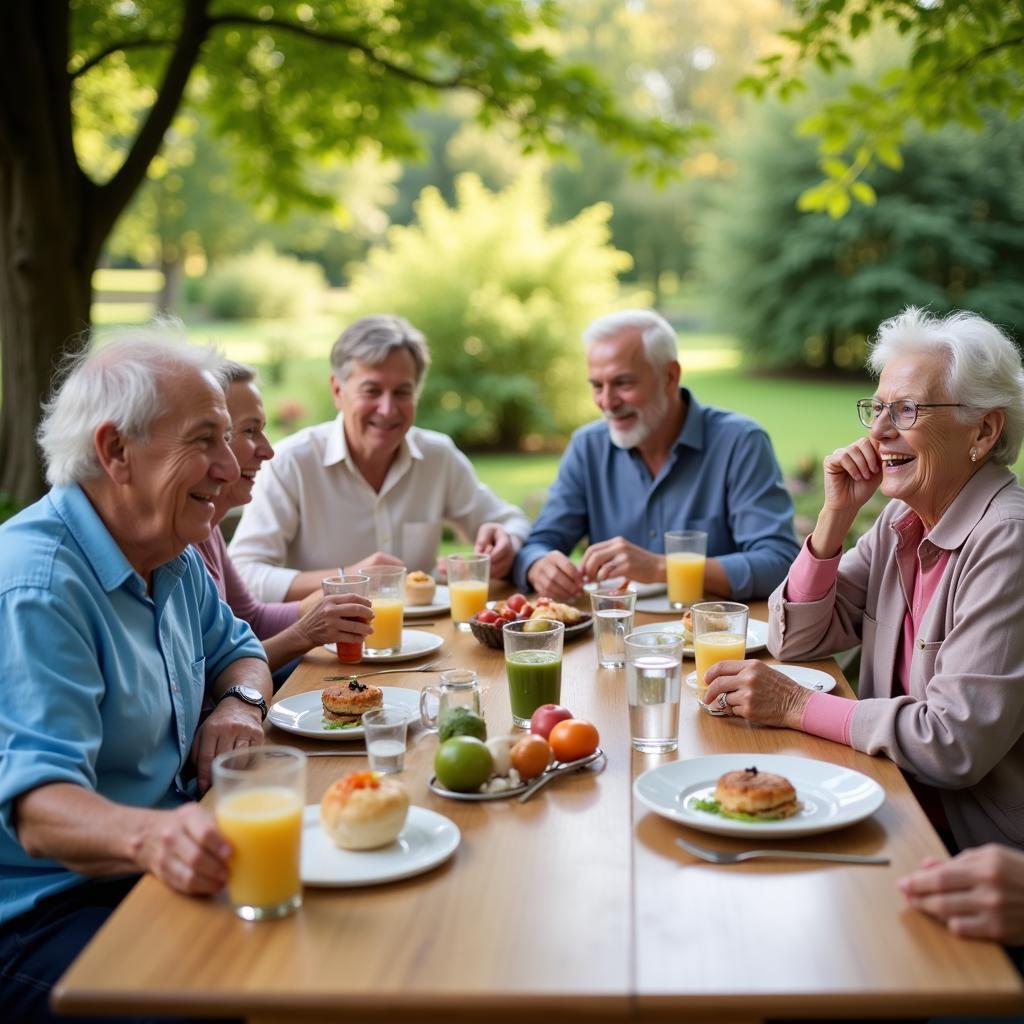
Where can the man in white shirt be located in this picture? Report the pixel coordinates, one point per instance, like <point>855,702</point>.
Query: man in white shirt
<point>367,487</point>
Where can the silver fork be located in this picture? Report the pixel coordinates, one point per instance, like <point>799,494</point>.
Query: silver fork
<point>722,857</point>
<point>429,667</point>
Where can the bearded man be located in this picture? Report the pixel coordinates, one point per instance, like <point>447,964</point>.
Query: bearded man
<point>658,461</point>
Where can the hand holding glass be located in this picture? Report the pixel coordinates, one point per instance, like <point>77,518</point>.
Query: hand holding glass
<point>719,634</point>
<point>348,652</point>
<point>260,793</point>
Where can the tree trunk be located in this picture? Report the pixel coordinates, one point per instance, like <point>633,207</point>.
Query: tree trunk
<point>172,268</point>
<point>47,251</point>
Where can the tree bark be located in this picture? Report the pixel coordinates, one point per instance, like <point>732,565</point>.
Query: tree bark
<point>46,259</point>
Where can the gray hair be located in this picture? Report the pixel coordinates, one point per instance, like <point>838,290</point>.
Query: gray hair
<point>229,372</point>
<point>116,383</point>
<point>983,366</point>
<point>660,342</point>
<point>372,339</point>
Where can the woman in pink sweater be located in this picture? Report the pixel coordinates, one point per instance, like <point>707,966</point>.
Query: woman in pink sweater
<point>290,629</point>
<point>934,591</point>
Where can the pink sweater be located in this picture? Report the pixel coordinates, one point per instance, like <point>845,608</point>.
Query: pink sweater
<point>811,578</point>
<point>266,619</point>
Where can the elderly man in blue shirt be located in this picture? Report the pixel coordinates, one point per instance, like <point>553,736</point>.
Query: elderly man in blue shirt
<point>659,461</point>
<point>111,635</point>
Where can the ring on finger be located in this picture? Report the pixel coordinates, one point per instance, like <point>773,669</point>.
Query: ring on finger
<point>723,701</point>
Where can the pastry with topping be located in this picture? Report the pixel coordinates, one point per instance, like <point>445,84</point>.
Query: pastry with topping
<point>756,794</point>
<point>364,810</point>
<point>345,703</point>
<point>419,588</point>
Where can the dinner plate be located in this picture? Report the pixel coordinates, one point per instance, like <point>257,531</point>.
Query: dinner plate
<point>415,642</point>
<point>303,714</point>
<point>597,758</point>
<point>439,606</point>
<point>757,634</point>
<point>808,678</point>
<point>642,589</point>
<point>426,840</point>
<point>832,797</point>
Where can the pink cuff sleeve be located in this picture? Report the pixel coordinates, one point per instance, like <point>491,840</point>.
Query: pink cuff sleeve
<point>810,578</point>
<point>829,717</point>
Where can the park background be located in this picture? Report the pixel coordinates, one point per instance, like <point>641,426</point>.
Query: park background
<point>789,221</point>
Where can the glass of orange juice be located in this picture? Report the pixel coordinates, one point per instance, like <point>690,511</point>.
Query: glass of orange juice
<point>387,599</point>
<point>685,556</point>
<point>260,793</point>
<point>468,579</point>
<point>719,634</point>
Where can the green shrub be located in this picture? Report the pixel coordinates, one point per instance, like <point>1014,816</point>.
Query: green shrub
<point>262,285</point>
<point>502,298</point>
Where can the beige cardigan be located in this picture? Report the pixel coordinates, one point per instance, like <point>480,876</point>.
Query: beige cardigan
<point>960,727</point>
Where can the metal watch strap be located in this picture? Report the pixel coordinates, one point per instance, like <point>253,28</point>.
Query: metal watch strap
<point>237,691</point>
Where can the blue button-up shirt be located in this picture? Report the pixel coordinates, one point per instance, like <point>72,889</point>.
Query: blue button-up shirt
<point>102,683</point>
<point>721,477</point>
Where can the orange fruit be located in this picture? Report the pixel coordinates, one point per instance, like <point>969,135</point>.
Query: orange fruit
<point>573,738</point>
<point>530,756</point>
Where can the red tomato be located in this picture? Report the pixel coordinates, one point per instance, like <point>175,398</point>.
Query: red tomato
<point>546,717</point>
<point>530,756</point>
<point>487,615</point>
<point>573,738</point>
<point>515,602</point>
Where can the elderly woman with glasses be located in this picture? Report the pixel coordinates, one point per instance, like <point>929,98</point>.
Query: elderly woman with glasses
<point>934,591</point>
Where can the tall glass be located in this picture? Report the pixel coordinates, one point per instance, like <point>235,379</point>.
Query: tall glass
<point>685,558</point>
<point>387,599</point>
<point>719,634</point>
<point>260,792</point>
<point>653,670</point>
<point>533,661</point>
<point>468,579</point>
<point>349,652</point>
<point>613,618</point>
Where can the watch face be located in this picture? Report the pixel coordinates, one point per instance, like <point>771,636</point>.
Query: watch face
<point>251,693</point>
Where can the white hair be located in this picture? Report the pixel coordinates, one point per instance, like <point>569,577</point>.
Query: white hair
<point>117,383</point>
<point>983,367</point>
<point>658,337</point>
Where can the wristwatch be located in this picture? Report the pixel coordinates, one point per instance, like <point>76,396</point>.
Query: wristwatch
<point>250,695</point>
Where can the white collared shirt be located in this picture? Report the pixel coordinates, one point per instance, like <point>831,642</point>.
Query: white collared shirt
<point>312,508</point>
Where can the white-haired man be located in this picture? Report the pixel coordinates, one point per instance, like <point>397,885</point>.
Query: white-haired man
<point>111,635</point>
<point>658,461</point>
<point>367,487</point>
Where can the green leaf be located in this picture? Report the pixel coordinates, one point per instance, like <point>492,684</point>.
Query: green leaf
<point>838,204</point>
<point>889,155</point>
<point>864,193</point>
<point>835,168</point>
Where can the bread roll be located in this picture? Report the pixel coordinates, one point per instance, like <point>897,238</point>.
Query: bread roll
<point>346,702</point>
<point>364,810</point>
<point>750,791</point>
<point>419,588</point>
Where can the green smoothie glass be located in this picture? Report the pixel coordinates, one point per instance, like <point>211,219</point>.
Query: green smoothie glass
<point>533,660</point>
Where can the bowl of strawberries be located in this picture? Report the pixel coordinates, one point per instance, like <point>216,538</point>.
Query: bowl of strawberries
<point>487,624</point>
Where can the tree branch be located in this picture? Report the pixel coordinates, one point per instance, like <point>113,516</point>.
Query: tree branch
<point>116,193</point>
<point>129,44</point>
<point>348,42</point>
<point>986,51</point>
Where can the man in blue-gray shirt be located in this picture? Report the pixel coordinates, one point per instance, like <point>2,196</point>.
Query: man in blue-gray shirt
<point>111,636</point>
<point>659,461</point>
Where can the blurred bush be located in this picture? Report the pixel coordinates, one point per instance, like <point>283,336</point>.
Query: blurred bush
<point>502,297</point>
<point>262,284</point>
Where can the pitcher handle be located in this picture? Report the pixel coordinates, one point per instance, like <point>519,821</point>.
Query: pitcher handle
<point>429,720</point>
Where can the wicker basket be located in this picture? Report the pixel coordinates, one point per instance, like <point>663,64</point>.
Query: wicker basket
<point>489,633</point>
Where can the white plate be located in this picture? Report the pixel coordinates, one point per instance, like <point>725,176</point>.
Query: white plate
<point>442,603</point>
<point>832,797</point>
<point>415,642</point>
<point>757,634</point>
<point>808,678</point>
<point>426,840</point>
<point>303,714</point>
<point>642,589</point>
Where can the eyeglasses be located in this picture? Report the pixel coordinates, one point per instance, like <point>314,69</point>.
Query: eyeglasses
<point>902,412</point>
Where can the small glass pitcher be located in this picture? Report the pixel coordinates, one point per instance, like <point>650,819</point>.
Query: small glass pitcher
<point>458,689</point>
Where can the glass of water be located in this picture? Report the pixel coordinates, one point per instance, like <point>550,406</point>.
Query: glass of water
<point>613,618</point>
<point>653,671</point>
<point>385,730</point>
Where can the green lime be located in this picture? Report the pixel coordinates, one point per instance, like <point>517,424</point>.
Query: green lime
<point>461,722</point>
<point>463,763</point>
